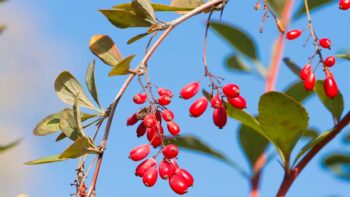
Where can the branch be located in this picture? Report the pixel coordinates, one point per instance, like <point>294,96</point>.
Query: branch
<point>143,64</point>
<point>290,178</point>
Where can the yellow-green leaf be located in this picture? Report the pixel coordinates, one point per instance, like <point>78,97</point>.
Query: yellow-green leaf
<point>80,147</point>
<point>123,67</point>
<point>8,146</point>
<point>234,62</point>
<point>339,164</point>
<point>144,9</point>
<point>313,5</point>
<point>69,125</point>
<point>91,83</point>
<point>156,7</point>
<point>43,160</point>
<point>298,92</point>
<point>136,38</point>
<point>124,19</point>
<point>105,49</point>
<point>48,125</point>
<point>186,4</point>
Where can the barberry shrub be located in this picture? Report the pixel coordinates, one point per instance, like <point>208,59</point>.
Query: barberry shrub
<point>282,120</point>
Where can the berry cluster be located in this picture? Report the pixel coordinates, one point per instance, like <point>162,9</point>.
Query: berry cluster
<point>151,116</point>
<point>307,73</point>
<point>199,106</point>
<point>344,4</point>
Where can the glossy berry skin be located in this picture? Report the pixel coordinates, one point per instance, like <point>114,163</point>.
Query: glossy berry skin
<point>216,102</point>
<point>189,90</point>
<point>329,61</point>
<point>325,43</point>
<point>164,100</point>
<point>150,120</point>
<point>150,177</point>
<point>178,185</point>
<point>293,34</point>
<point>330,87</point>
<point>166,170</point>
<point>238,102</point>
<point>153,137</point>
<point>132,120</point>
<point>165,92</point>
<point>142,167</point>
<point>305,71</point>
<point>231,90</point>
<point>140,152</point>
<point>141,130</point>
<point>167,115</point>
<point>198,107</point>
<point>170,151</point>
<point>344,4</point>
<point>188,178</point>
<point>173,128</point>
<point>220,117</point>
<point>310,81</point>
<point>140,98</point>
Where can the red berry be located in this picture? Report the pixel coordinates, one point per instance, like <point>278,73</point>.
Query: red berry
<point>310,81</point>
<point>173,128</point>
<point>216,102</point>
<point>198,107</point>
<point>165,92</point>
<point>132,120</point>
<point>329,61</point>
<point>150,120</point>
<point>140,152</point>
<point>188,178</point>
<point>158,117</point>
<point>189,90</point>
<point>173,163</point>
<point>166,169</point>
<point>140,98</point>
<point>330,87</point>
<point>178,185</point>
<point>142,167</point>
<point>141,130</point>
<point>150,177</point>
<point>170,151</point>
<point>154,137</point>
<point>293,34</point>
<point>167,115</point>
<point>231,90</point>
<point>307,69</point>
<point>325,43</point>
<point>344,4</point>
<point>238,102</point>
<point>164,100</point>
<point>220,117</point>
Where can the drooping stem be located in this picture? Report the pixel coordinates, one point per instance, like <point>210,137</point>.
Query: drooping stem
<point>171,26</point>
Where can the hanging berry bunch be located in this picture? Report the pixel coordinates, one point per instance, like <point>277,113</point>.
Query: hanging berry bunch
<point>151,117</point>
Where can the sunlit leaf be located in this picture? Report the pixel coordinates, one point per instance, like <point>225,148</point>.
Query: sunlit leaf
<point>105,49</point>
<point>48,125</point>
<point>186,4</point>
<point>80,147</point>
<point>91,83</point>
<point>298,92</point>
<point>292,66</point>
<point>283,120</point>
<point>67,87</point>
<point>43,160</point>
<point>240,40</point>
<point>344,56</point>
<point>69,126</point>
<point>144,9</point>
<point>339,164</point>
<point>124,19</point>
<point>236,63</point>
<point>122,68</point>
<point>6,147</point>
<point>156,7</point>
<point>335,106</point>
<point>311,133</point>
<point>313,5</point>
<point>136,38</point>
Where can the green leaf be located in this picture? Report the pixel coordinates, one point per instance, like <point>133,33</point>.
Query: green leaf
<point>60,137</point>
<point>144,9</point>
<point>240,40</point>
<point>48,125</point>
<point>91,83</point>
<point>43,160</point>
<point>335,106</point>
<point>311,133</point>
<point>136,38</point>
<point>277,6</point>
<point>313,5</point>
<point>292,66</point>
<point>186,4</point>
<point>339,164</point>
<point>344,56</point>
<point>298,92</point>
<point>236,63</point>
<point>69,125</point>
<point>105,49</point>
<point>252,143</point>
<point>80,147</point>
<point>283,120</point>
<point>124,19</point>
<point>122,68</point>
<point>67,86</point>
<point>310,145</point>
<point>9,146</point>
<point>156,7</point>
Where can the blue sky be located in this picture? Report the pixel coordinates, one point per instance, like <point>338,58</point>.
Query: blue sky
<point>46,37</point>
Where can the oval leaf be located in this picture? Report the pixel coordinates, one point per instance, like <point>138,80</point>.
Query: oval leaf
<point>236,63</point>
<point>156,7</point>
<point>80,147</point>
<point>186,4</point>
<point>69,126</point>
<point>48,125</point>
<point>91,83</point>
<point>122,68</point>
<point>105,49</point>
<point>144,9</point>
<point>283,120</point>
<point>335,106</point>
<point>298,92</point>
<point>237,38</point>
<point>339,164</point>
<point>124,19</point>
<point>136,38</point>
